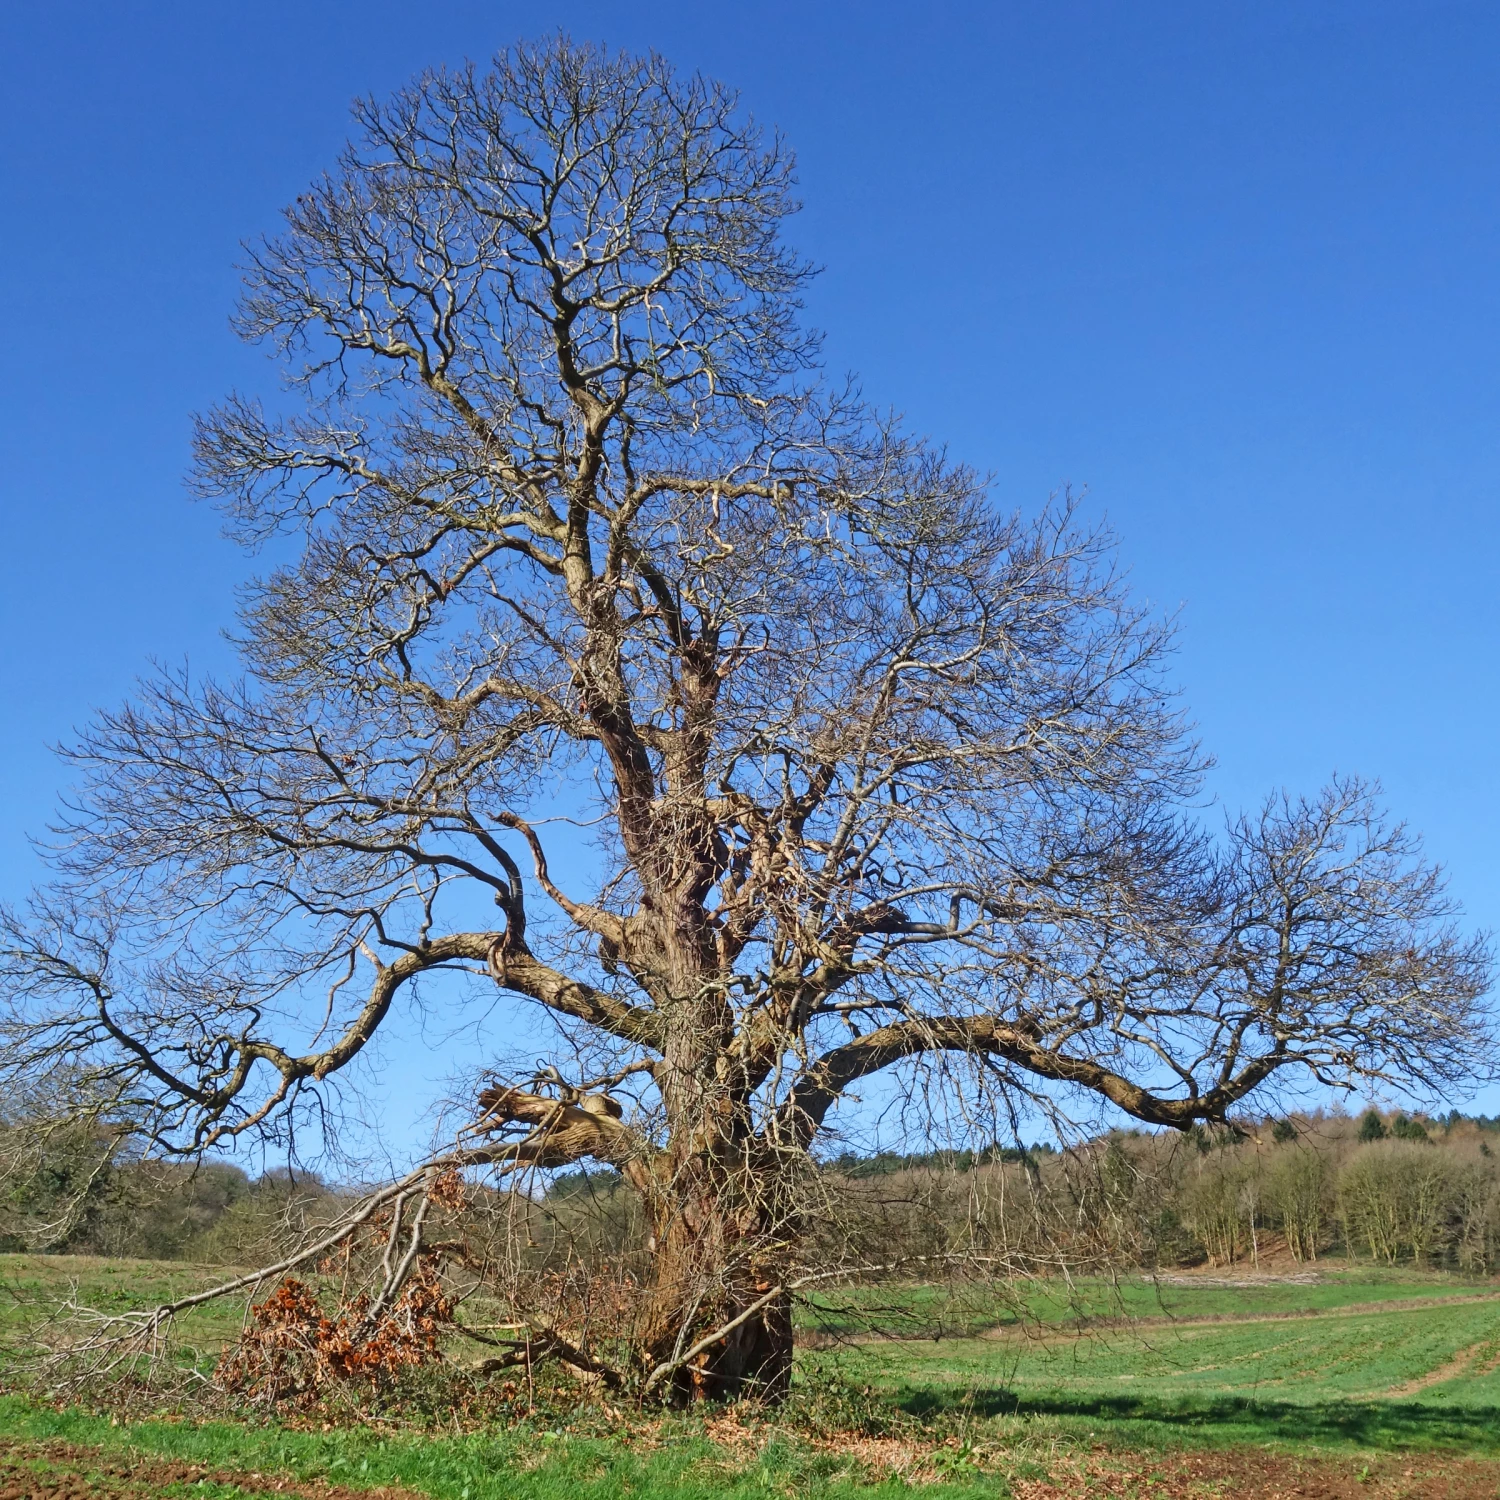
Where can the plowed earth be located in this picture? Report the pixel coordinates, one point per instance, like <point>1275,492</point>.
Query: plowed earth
<point>68,1471</point>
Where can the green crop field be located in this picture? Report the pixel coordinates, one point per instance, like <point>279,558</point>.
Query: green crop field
<point>1351,1362</point>
<point>1363,1373</point>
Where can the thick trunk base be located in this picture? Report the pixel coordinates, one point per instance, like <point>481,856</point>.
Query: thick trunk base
<point>753,1361</point>
<point>719,1245</point>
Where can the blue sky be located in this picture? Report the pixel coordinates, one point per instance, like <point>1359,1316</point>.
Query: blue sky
<point>1230,266</point>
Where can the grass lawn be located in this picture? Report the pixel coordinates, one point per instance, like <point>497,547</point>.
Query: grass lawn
<point>902,1309</point>
<point>1386,1381</point>
<point>33,1286</point>
<point>527,1463</point>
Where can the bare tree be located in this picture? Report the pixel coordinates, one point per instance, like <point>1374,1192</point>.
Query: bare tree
<point>879,779</point>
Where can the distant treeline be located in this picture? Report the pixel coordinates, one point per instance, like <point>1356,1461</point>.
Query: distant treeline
<point>1388,1187</point>
<point>883,1163</point>
<point>1385,1187</point>
<point>70,1197</point>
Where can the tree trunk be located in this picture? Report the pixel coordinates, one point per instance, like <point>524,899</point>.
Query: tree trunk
<point>753,1360</point>
<point>713,1263</point>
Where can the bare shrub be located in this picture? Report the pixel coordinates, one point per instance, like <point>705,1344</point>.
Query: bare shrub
<point>1477,1237</point>
<point>1214,1208</point>
<point>1297,1192</point>
<point>1397,1198</point>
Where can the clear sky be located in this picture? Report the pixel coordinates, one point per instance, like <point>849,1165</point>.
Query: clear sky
<point>1230,266</point>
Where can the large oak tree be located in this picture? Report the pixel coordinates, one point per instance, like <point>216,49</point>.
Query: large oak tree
<point>568,524</point>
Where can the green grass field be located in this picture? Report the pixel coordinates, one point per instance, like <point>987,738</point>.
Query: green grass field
<point>1347,1366</point>
<point>902,1310</point>
<point>1354,1362</point>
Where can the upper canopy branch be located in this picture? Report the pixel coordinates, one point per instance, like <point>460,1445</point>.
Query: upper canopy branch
<point>1018,1043</point>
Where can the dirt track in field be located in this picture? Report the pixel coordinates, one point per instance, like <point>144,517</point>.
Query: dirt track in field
<point>1074,1328</point>
<point>1250,1474</point>
<point>68,1471</point>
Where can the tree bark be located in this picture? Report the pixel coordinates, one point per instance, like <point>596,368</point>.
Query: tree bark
<point>718,1265</point>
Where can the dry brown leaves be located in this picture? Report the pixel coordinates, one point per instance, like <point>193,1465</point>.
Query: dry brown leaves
<point>881,1455</point>
<point>292,1349</point>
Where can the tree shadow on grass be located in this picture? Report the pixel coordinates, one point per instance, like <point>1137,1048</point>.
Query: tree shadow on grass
<point>1240,1419</point>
